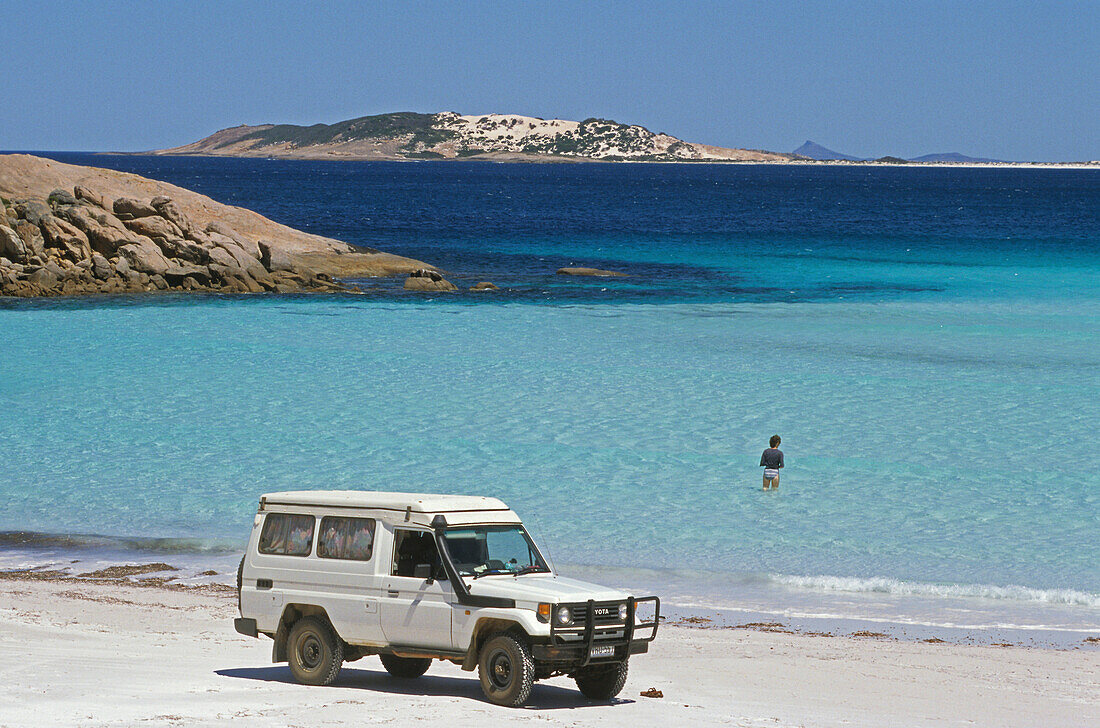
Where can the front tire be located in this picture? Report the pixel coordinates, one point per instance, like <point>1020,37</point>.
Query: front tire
<point>314,652</point>
<point>602,682</point>
<point>406,668</point>
<point>506,670</point>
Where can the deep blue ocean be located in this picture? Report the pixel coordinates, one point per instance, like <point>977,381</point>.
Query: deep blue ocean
<point>926,342</point>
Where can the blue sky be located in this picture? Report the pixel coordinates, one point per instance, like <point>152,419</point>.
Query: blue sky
<point>996,79</point>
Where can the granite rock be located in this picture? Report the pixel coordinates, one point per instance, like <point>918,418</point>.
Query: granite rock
<point>133,208</point>
<point>12,245</point>
<point>145,256</point>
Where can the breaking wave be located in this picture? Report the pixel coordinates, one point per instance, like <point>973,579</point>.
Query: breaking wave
<point>896,587</point>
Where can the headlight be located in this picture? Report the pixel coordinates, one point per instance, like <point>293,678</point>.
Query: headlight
<point>622,612</point>
<point>563,616</point>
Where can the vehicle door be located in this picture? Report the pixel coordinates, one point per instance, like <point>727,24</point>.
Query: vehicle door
<point>416,609</point>
<point>349,578</point>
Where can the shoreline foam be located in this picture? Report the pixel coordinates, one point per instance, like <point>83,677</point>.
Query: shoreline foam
<point>908,611</point>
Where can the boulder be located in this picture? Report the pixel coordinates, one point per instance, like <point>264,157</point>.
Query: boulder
<point>253,285</point>
<point>12,245</point>
<point>145,256</point>
<point>158,282</point>
<point>56,269</point>
<point>32,237</point>
<point>32,211</point>
<point>176,273</point>
<point>199,237</point>
<point>426,273</point>
<point>103,217</point>
<point>590,272</point>
<point>242,283</point>
<point>171,212</point>
<point>61,197</point>
<point>83,193</point>
<point>105,232</point>
<point>244,260</point>
<point>183,249</point>
<point>247,245</point>
<point>277,259</point>
<point>44,278</point>
<point>221,257</point>
<point>122,267</point>
<point>133,208</point>
<point>154,227</point>
<point>65,236</point>
<point>429,281</point>
<point>484,286</point>
<point>274,258</point>
<point>100,267</point>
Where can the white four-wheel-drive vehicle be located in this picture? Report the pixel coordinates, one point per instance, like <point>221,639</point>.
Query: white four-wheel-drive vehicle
<point>333,576</point>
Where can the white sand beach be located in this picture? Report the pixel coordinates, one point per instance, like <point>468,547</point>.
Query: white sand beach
<point>88,654</point>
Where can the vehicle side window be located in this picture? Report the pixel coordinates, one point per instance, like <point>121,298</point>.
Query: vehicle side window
<point>412,548</point>
<point>287,534</point>
<point>346,538</point>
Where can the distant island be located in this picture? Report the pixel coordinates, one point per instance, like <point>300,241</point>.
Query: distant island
<point>407,135</point>
<point>447,135</point>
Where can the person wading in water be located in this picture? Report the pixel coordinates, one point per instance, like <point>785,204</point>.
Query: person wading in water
<point>772,461</point>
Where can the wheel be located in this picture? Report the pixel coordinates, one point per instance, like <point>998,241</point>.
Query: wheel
<point>314,652</point>
<point>406,667</point>
<point>507,670</point>
<point>602,682</point>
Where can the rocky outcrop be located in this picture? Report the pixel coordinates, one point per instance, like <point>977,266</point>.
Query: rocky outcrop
<point>590,272</point>
<point>28,182</point>
<point>484,286</point>
<point>79,243</point>
<point>428,281</point>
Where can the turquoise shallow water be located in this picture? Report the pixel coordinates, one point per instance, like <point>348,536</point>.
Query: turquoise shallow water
<point>925,442</point>
<point>925,342</point>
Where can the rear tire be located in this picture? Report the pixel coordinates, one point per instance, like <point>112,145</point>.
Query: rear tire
<point>602,682</point>
<point>405,668</point>
<point>506,670</point>
<point>314,652</point>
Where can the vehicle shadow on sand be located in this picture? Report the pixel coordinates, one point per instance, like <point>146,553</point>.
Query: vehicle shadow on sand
<point>543,696</point>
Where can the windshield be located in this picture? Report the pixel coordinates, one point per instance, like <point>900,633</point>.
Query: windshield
<point>481,550</point>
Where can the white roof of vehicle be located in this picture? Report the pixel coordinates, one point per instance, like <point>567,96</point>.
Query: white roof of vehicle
<point>457,508</point>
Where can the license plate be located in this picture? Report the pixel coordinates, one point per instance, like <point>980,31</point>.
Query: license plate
<point>608,651</point>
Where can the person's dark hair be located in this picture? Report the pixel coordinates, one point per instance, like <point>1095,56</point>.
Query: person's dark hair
<point>774,442</point>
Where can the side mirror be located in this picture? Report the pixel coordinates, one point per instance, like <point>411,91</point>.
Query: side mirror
<point>423,571</point>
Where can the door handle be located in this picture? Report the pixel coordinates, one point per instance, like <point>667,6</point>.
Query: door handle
<point>393,592</point>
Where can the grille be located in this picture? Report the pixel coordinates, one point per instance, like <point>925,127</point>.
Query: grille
<point>606,613</point>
